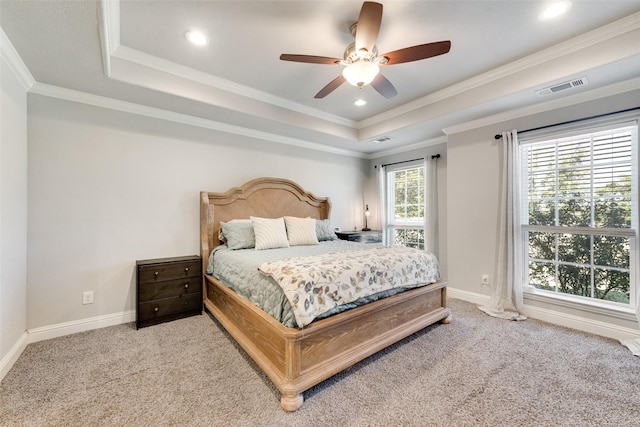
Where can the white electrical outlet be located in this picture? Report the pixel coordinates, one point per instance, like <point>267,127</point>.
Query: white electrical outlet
<point>485,279</point>
<point>87,297</point>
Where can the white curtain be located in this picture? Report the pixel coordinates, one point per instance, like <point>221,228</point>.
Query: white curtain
<point>506,299</point>
<point>633,344</point>
<point>431,205</point>
<point>382,204</point>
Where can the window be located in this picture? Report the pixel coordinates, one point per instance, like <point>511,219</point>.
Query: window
<point>580,216</point>
<point>406,202</point>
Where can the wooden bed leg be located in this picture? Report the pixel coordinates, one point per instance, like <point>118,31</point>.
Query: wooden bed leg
<point>446,320</point>
<point>291,402</point>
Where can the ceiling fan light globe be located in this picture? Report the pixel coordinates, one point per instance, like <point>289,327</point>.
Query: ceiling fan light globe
<point>360,73</point>
<point>197,38</point>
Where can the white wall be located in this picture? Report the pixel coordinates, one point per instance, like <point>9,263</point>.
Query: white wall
<point>13,217</point>
<point>107,188</point>
<point>473,181</point>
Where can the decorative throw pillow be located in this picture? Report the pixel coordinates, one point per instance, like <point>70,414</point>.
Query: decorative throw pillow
<point>270,233</point>
<point>324,231</point>
<point>238,234</point>
<point>301,231</point>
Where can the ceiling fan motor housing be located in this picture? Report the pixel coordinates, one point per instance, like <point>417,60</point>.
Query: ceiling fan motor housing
<point>351,55</point>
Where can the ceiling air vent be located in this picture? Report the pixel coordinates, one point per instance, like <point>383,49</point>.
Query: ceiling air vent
<point>383,139</point>
<point>582,81</point>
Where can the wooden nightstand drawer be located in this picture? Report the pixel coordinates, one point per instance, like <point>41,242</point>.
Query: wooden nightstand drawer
<point>154,310</point>
<point>168,289</point>
<point>168,271</point>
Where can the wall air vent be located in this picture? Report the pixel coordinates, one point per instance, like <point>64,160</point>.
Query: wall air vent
<point>582,81</point>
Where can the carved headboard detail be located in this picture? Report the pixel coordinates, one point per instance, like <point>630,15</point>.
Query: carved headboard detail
<point>263,197</point>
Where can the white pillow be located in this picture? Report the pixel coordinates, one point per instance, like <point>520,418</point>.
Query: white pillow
<point>270,233</point>
<point>301,231</point>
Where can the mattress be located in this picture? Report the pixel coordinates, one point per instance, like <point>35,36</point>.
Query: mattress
<point>238,269</point>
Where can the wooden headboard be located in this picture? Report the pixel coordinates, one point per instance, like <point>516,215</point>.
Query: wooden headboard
<point>263,197</point>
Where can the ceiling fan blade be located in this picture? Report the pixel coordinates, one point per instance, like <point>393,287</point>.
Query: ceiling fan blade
<point>416,53</point>
<point>384,86</point>
<point>368,25</point>
<point>335,83</point>
<point>309,59</point>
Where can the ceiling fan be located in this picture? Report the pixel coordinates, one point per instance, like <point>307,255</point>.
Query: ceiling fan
<point>361,60</point>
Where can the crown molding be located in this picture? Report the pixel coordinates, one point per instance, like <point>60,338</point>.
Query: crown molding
<point>111,43</point>
<point>109,30</point>
<point>587,96</point>
<point>583,41</point>
<point>110,40</point>
<point>428,143</point>
<point>109,24</point>
<point>13,60</point>
<point>157,113</point>
<point>141,58</point>
<point>109,11</point>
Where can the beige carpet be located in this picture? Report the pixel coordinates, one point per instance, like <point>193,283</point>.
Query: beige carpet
<point>478,370</point>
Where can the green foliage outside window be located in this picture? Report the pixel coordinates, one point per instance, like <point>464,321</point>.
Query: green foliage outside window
<point>409,207</point>
<point>581,183</point>
<point>411,237</point>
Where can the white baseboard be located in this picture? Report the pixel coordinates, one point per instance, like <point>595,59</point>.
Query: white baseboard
<point>12,356</point>
<point>467,296</point>
<point>59,330</point>
<point>73,327</point>
<point>583,324</point>
<point>580,323</point>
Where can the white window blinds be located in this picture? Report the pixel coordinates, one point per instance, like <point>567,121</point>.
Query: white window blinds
<point>574,181</point>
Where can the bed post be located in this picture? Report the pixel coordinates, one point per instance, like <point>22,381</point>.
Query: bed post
<point>204,236</point>
<point>443,303</point>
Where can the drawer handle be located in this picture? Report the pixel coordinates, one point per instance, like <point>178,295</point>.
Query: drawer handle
<point>186,269</point>
<point>156,274</point>
<point>156,309</point>
<point>186,286</point>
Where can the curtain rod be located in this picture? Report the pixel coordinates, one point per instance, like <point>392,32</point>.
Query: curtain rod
<point>499,136</point>
<point>435,156</point>
<point>404,161</point>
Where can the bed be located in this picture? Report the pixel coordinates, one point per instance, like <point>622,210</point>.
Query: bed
<point>296,359</point>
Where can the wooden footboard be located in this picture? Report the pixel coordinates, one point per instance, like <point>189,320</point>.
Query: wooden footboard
<point>297,359</point>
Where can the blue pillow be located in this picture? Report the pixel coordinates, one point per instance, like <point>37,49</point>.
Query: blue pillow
<point>238,234</point>
<point>324,231</point>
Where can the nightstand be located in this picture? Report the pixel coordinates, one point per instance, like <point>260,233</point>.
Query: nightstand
<point>168,289</point>
<point>371,236</point>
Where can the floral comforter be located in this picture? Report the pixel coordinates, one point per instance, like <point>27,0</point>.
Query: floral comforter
<point>318,283</point>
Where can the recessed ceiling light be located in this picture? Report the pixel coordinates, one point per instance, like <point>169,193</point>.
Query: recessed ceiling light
<point>197,38</point>
<point>554,10</point>
<point>360,102</point>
